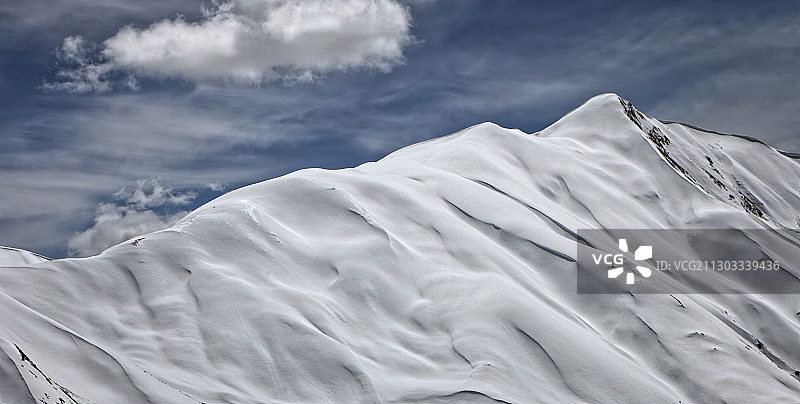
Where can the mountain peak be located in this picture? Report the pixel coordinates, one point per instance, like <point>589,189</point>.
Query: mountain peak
<point>601,102</point>
<point>606,115</point>
<point>443,272</point>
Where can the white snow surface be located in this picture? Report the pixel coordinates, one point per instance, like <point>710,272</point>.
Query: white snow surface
<point>10,257</point>
<point>442,273</point>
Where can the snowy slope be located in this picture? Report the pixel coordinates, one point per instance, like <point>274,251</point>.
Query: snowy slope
<point>10,257</point>
<point>442,273</point>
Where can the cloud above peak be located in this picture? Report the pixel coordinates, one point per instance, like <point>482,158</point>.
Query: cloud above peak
<point>245,41</point>
<point>140,208</point>
<point>150,193</point>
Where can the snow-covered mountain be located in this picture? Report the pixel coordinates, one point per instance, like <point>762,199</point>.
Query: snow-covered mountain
<point>16,257</point>
<point>444,272</point>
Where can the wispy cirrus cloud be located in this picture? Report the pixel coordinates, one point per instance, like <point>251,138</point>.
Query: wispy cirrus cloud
<point>244,41</point>
<point>83,68</point>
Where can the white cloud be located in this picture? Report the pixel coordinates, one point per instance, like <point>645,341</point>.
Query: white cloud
<point>149,193</point>
<point>216,186</point>
<point>247,41</point>
<point>114,224</point>
<point>82,68</point>
<point>130,216</point>
<point>77,73</point>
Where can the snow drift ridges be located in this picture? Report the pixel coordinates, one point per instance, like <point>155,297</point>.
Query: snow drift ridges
<point>444,272</point>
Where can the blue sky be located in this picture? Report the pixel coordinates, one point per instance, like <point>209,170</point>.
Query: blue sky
<point>116,116</point>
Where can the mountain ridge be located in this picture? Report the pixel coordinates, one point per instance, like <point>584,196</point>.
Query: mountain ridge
<point>442,272</point>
